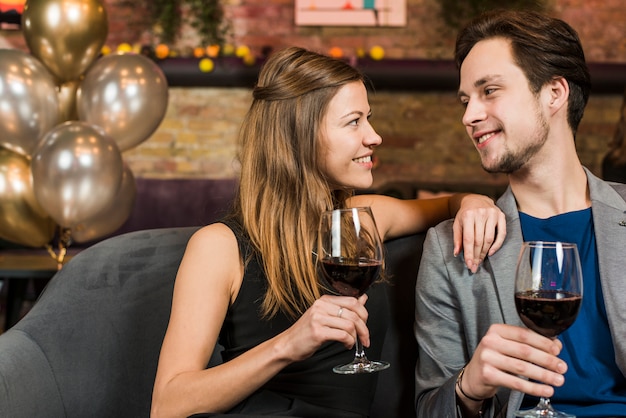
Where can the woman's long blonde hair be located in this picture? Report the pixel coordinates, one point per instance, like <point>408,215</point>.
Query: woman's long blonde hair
<point>282,191</point>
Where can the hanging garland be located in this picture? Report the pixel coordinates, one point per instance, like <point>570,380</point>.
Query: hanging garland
<point>457,13</point>
<point>206,16</point>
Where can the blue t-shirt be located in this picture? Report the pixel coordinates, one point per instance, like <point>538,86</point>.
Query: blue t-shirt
<point>594,385</point>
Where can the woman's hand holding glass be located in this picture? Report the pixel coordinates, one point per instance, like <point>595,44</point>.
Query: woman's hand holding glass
<point>350,256</point>
<point>330,318</point>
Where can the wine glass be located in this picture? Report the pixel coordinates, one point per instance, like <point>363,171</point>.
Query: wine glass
<point>548,295</point>
<point>350,254</point>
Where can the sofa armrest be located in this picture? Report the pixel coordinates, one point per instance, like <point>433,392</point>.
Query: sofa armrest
<point>27,384</point>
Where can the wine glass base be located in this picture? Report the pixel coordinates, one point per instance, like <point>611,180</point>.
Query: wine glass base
<point>357,367</point>
<point>543,413</point>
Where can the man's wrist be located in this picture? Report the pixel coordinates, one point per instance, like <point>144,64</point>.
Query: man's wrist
<point>468,405</point>
<point>459,385</point>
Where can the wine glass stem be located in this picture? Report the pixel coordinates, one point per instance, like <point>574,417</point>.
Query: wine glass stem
<point>359,354</point>
<point>544,404</point>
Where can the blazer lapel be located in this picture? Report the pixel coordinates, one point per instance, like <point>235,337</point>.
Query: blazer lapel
<point>609,217</point>
<point>502,264</point>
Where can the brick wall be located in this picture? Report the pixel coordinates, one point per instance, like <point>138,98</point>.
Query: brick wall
<point>424,141</point>
<point>259,23</point>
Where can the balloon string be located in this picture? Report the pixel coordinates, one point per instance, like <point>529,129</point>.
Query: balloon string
<point>64,241</point>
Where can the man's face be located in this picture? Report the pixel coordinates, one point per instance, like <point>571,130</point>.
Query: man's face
<point>502,116</point>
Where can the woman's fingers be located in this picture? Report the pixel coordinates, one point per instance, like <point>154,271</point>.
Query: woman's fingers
<point>340,318</point>
<point>479,231</point>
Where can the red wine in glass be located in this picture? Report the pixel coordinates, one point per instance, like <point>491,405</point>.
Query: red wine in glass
<point>548,295</point>
<point>350,277</point>
<point>350,255</point>
<point>547,312</point>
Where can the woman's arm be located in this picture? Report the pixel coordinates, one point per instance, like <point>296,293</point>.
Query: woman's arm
<point>479,225</point>
<point>208,281</point>
<point>209,274</point>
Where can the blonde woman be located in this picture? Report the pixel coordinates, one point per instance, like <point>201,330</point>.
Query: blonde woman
<point>250,281</point>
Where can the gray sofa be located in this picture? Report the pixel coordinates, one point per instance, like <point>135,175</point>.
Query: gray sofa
<point>89,347</point>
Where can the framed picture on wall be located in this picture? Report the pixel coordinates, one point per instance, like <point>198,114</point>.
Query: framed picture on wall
<point>11,14</point>
<point>350,12</point>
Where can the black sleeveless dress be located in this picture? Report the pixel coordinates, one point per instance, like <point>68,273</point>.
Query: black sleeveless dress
<point>308,388</point>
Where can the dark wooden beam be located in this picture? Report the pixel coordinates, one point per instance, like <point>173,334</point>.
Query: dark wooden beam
<point>387,74</point>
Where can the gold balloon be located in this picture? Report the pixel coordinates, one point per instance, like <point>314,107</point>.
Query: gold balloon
<point>29,105</point>
<point>66,35</point>
<point>113,216</point>
<point>77,171</point>
<point>67,100</point>
<point>22,220</point>
<point>125,94</point>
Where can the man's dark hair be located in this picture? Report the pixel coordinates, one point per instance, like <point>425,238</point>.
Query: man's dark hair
<point>544,48</point>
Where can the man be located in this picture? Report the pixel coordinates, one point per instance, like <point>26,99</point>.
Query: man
<point>524,83</point>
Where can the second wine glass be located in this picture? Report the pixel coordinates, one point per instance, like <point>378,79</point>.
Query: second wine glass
<point>548,295</point>
<point>350,254</point>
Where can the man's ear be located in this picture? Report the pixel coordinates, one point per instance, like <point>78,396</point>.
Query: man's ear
<point>558,89</point>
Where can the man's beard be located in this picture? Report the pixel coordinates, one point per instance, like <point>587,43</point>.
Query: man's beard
<point>512,161</point>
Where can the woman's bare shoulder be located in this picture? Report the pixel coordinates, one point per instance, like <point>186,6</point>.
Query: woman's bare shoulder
<point>216,246</point>
<point>215,232</point>
<point>214,240</point>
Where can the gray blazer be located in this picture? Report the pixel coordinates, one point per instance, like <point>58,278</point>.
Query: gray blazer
<point>454,308</point>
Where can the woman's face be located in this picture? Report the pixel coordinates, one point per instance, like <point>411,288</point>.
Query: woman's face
<point>347,139</point>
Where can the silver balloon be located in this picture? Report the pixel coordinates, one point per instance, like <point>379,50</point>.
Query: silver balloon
<point>29,105</point>
<point>77,171</point>
<point>113,216</point>
<point>127,95</point>
<point>22,220</point>
<point>66,35</point>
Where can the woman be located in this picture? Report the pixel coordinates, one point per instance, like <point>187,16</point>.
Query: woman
<point>251,279</point>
